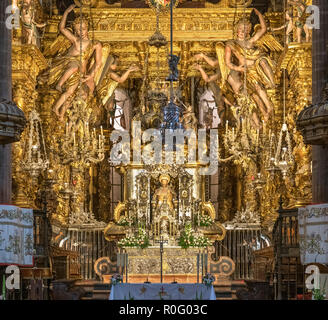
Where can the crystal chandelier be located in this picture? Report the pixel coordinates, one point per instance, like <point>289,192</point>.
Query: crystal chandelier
<point>35,156</point>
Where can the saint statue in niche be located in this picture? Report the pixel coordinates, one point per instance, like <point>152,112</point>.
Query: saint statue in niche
<point>164,196</point>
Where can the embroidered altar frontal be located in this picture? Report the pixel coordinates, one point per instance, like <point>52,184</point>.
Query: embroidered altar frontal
<point>313,230</point>
<point>162,291</point>
<point>16,235</point>
<point>178,265</point>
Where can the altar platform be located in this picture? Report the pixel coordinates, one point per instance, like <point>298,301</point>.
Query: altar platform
<point>179,265</point>
<point>161,291</point>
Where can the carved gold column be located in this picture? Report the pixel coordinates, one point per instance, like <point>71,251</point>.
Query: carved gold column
<point>297,61</point>
<point>27,62</point>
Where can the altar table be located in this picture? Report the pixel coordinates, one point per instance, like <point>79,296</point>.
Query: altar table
<point>161,291</point>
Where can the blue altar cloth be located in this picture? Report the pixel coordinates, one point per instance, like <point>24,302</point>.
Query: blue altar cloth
<point>161,291</point>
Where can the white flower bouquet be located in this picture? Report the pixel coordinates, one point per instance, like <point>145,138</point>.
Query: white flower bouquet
<point>208,279</point>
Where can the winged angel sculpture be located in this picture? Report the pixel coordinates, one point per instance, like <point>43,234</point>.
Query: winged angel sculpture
<point>80,66</point>
<point>246,69</point>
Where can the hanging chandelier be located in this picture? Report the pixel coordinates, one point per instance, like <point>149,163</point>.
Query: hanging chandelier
<point>283,157</point>
<point>270,163</point>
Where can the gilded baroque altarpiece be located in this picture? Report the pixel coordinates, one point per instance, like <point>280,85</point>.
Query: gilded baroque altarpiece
<point>77,184</point>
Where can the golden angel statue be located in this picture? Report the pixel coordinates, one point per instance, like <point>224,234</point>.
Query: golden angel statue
<point>244,60</point>
<point>30,27</point>
<point>78,62</point>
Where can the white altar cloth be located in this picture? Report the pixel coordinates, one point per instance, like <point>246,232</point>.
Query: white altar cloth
<point>313,231</point>
<point>161,291</point>
<point>16,235</point>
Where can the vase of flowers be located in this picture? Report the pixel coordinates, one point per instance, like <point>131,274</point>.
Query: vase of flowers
<point>124,221</point>
<point>186,239</point>
<point>201,242</point>
<point>116,278</point>
<point>139,240</point>
<point>189,238</point>
<point>208,279</point>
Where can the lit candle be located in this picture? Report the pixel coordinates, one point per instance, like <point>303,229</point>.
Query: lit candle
<point>227,126</point>
<point>263,127</point>
<point>233,133</point>
<point>101,129</point>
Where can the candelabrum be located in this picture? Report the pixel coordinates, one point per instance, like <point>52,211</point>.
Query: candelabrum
<point>35,156</point>
<point>244,142</point>
<point>83,146</point>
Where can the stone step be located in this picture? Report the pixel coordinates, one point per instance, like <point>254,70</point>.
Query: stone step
<point>100,297</point>
<point>101,291</point>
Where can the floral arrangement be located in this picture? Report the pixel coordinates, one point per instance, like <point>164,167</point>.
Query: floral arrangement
<point>208,279</point>
<point>124,221</point>
<point>202,242</point>
<point>140,240</point>
<point>204,220</point>
<point>318,294</point>
<point>188,239</point>
<point>116,278</point>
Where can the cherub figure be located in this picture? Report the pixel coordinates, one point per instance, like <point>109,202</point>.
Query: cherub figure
<point>300,20</point>
<point>29,25</point>
<point>74,67</point>
<point>289,26</point>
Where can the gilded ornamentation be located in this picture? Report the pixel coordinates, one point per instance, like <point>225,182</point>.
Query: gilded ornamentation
<point>77,187</point>
<point>71,69</point>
